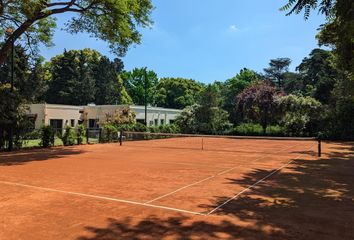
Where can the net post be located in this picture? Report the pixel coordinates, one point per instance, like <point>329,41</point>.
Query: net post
<point>100,135</point>
<point>319,147</point>
<point>121,138</point>
<point>87,136</point>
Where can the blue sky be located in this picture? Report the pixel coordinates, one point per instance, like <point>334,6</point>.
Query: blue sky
<point>209,40</point>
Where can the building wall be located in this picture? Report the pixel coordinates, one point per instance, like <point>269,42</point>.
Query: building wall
<point>45,112</point>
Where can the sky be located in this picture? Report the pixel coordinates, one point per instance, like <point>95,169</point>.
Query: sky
<point>208,40</point>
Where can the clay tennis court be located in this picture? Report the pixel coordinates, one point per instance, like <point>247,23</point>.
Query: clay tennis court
<point>170,188</point>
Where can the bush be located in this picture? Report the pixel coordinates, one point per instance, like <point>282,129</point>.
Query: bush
<point>47,136</point>
<point>248,129</point>
<point>135,127</point>
<point>35,134</point>
<point>251,129</point>
<point>169,128</point>
<point>81,133</point>
<point>69,136</point>
<point>109,133</point>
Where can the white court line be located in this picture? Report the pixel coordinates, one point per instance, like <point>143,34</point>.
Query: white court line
<point>253,185</point>
<point>213,176</point>
<point>101,197</point>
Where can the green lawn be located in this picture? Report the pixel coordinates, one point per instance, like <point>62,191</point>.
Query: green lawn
<point>36,143</point>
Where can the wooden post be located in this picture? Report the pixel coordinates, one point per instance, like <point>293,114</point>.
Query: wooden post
<point>319,148</point>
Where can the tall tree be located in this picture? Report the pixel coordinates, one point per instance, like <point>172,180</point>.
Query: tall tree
<point>29,79</point>
<point>337,33</point>
<point>276,70</point>
<point>113,21</point>
<point>177,92</point>
<point>236,85</point>
<point>109,84</point>
<point>318,71</point>
<point>79,77</point>
<point>257,103</point>
<point>136,84</point>
<point>209,117</point>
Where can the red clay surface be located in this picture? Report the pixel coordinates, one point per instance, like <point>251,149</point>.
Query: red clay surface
<point>233,189</point>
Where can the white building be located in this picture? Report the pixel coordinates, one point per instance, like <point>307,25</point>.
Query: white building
<point>58,116</point>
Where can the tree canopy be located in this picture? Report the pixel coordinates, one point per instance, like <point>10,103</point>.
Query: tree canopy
<point>33,21</point>
<point>85,76</point>
<point>177,92</point>
<point>137,81</point>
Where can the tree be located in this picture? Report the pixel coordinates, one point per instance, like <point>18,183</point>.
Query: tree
<point>236,85</point>
<point>177,92</point>
<point>206,117</point>
<point>300,115</point>
<point>79,77</point>
<point>135,85</point>
<point>113,21</point>
<point>109,84</point>
<point>318,71</point>
<point>256,103</point>
<point>276,70</point>
<point>337,33</point>
<point>29,75</point>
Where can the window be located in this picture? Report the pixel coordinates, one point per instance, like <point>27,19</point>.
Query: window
<point>162,122</point>
<point>72,122</point>
<point>57,125</point>
<point>156,122</point>
<point>142,121</point>
<point>172,121</point>
<point>151,123</point>
<point>93,123</point>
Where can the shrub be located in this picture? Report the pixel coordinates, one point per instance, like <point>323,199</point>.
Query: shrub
<point>109,133</point>
<point>47,136</point>
<point>69,136</point>
<point>248,129</point>
<point>251,129</point>
<point>81,133</point>
<point>169,128</point>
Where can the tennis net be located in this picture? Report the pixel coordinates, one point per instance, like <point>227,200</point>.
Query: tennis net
<point>256,144</point>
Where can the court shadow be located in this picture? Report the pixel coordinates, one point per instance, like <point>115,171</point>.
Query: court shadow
<point>308,200</point>
<point>40,154</point>
<point>151,228</point>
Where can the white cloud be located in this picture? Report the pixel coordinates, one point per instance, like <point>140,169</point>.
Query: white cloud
<point>233,28</point>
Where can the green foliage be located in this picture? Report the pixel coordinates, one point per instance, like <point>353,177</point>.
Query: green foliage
<point>115,22</point>
<point>69,136</point>
<point>81,133</point>
<point>135,127</point>
<point>236,85</point>
<point>79,77</point>
<point>300,115</point>
<point>256,103</point>
<point>205,118</point>
<point>12,116</point>
<point>136,83</point>
<point>319,74</point>
<point>47,136</point>
<point>120,116</point>
<point>276,70</point>
<point>252,129</point>
<point>28,75</point>
<point>109,133</point>
<point>168,128</point>
<point>186,121</point>
<point>177,92</point>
